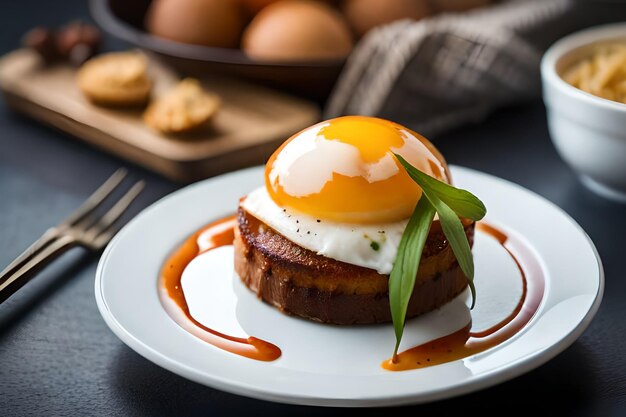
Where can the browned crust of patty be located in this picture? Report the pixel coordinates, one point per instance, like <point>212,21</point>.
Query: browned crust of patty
<point>300,282</point>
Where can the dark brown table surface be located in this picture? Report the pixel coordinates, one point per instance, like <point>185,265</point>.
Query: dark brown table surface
<point>57,356</point>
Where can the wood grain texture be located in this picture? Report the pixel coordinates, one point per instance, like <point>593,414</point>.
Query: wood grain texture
<point>250,124</point>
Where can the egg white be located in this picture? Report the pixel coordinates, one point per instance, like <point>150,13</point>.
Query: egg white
<point>371,246</point>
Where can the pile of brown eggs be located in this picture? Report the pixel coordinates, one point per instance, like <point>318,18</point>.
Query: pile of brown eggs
<point>286,30</point>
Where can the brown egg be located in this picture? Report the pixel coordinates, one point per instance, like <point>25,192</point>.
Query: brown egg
<point>202,22</point>
<point>293,30</point>
<point>366,14</point>
<point>253,6</point>
<point>457,5</point>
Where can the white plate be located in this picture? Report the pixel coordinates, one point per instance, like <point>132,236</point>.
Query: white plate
<point>340,366</point>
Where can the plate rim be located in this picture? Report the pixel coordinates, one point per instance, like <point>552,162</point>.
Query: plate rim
<point>487,379</point>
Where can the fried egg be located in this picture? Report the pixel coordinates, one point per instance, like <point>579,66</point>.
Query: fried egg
<point>337,189</point>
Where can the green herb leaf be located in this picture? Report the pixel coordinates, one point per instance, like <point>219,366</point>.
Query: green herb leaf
<point>455,233</point>
<point>404,272</point>
<point>450,203</point>
<point>462,202</point>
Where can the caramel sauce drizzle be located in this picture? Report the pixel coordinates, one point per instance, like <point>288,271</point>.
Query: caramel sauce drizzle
<point>464,343</point>
<point>214,235</point>
<point>458,345</point>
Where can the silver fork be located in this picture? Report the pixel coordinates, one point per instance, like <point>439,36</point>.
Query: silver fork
<point>84,227</point>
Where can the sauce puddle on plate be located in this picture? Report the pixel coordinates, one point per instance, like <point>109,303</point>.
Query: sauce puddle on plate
<point>219,233</point>
<point>458,345</point>
<point>464,342</point>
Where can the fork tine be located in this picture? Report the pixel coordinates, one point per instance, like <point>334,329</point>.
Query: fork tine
<point>92,202</point>
<point>113,214</point>
<point>103,238</point>
<point>69,233</point>
<point>96,198</point>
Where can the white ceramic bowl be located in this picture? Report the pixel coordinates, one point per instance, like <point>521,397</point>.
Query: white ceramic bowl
<point>589,132</point>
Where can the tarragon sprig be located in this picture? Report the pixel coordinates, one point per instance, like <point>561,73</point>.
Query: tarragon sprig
<point>449,203</point>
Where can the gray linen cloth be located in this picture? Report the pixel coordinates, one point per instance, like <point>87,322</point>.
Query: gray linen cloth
<point>441,72</point>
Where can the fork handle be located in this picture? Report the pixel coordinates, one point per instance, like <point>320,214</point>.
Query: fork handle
<point>48,237</point>
<point>13,278</point>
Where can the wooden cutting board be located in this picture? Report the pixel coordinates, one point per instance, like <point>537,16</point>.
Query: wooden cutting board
<point>251,123</point>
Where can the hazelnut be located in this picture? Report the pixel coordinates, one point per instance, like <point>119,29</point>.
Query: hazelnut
<point>78,41</point>
<point>43,40</point>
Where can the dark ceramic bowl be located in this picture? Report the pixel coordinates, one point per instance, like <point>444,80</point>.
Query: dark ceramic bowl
<point>124,19</point>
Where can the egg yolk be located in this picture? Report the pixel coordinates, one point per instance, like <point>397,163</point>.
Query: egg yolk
<point>343,170</point>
